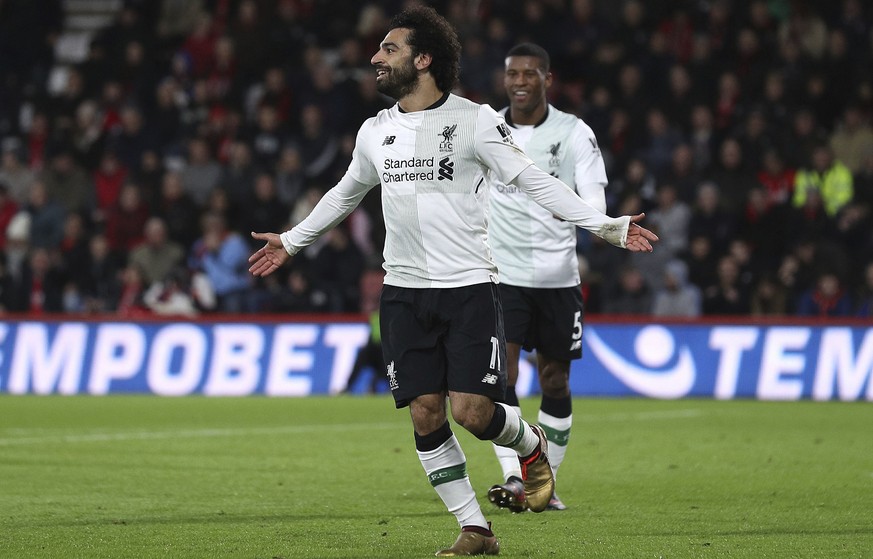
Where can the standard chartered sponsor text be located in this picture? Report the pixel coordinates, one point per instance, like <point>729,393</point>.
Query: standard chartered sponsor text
<point>419,169</point>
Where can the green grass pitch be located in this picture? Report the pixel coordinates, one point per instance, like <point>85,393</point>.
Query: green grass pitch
<point>322,477</point>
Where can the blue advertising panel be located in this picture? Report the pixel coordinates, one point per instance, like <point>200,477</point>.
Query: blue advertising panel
<point>711,360</point>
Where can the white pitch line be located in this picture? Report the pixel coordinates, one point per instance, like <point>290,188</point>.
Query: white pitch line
<point>193,433</point>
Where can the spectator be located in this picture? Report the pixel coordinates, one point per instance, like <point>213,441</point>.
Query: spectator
<point>826,176</point>
<point>290,177</point>
<point>223,256</point>
<point>702,137</point>
<point>662,139</point>
<point>131,289</point>
<point>862,183</point>
<point>769,297</point>
<point>776,178</point>
<point>201,173</point>
<point>864,305</point>
<point>46,218</point>
<point>13,172</point>
<point>827,298</point>
<point>733,178</point>
<point>178,210</point>
<point>677,297</point>
<point>852,139</point>
<point>671,218</point>
<point>238,175</point>
<point>701,261</point>
<point>39,289</point>
<point>267,137</point>
<point>8,209</point>
<point>126,221</point>
<point>132,138</point>
<point>177,20</point>
<point>171,296</point>
<point>99,276</point>
<point>88,138</point>
<point>108,180</point>
<point>263,211</point>
<point>631,295</point>
<point>727,296</point>
<point>299,295</point>
<point>318,144</point>
<point>709,219</point>
<point>157,255</point>
<point>682,173</point>
<point>339,265</point>
<point>74,250</point>
<point>762,224</point>
<point>67,183</point>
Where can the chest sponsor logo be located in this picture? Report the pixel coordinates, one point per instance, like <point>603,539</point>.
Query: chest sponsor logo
<point>407,170</point>
<point>447,169</point>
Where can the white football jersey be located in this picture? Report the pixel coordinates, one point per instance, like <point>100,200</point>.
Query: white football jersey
<point>530,246</point>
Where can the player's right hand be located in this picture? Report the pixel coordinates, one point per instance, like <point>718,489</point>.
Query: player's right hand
<point>268,258</point>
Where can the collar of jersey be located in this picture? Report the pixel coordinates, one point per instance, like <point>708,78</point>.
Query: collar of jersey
<point>508,118</point>
<point>439,102</point>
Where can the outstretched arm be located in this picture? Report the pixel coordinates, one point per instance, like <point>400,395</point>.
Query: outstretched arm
<point>557,197</point>
<point>333,207</point>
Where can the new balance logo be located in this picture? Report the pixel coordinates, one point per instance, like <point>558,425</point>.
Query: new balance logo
<point>489,378</point>
<point>388,140</point>
<point>447,169</point>
<point>576,345</point>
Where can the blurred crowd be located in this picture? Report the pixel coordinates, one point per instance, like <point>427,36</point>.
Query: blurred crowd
<point>130,179</point>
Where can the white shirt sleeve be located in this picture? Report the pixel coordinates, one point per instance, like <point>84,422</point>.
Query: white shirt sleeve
<point>590,169</point>
<point>339,201</point>
<point>333,207</point>
<point>557,197</point>
<point>495,147</point>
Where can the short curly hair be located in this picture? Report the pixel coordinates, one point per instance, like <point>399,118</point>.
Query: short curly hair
<point>432,34</point>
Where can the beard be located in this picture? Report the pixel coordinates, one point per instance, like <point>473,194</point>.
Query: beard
<point>399,82</point>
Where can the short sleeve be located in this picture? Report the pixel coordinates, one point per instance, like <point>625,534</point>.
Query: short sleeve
<point>495,147</point>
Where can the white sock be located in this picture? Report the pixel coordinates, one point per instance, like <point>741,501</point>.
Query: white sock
<point>558,433</point>
<point>446,469</point>
<point>516,433</point>
<point>508,458</point>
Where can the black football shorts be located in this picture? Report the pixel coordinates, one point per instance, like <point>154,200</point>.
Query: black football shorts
<point>441,339</point>
<point>547,320</point>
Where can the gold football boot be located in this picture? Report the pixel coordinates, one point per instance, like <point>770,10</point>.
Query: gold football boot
<point>472,542</point>
<point>539,482</point>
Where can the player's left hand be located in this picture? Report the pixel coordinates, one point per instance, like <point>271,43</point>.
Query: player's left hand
<point>639,239</point>
<point>268,258</point>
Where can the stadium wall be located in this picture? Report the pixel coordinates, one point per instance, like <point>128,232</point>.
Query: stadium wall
<point>301,356</point>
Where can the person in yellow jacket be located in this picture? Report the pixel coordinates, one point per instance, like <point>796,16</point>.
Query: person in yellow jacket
<point>829,177</point>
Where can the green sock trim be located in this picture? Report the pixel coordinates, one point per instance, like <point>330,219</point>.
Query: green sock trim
<point>445,475</point>
<point>560,438</point>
